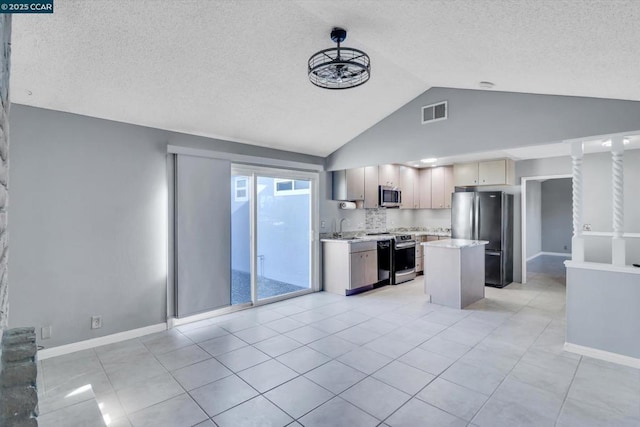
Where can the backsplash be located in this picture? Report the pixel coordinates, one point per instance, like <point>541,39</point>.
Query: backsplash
<point>375,220</point>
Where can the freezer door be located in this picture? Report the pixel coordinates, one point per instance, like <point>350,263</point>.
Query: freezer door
<point>490,219</point>
<point>493,272</point>
<point>463,215</point>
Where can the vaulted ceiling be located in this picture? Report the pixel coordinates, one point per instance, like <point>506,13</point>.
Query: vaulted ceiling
<point>236,70</point>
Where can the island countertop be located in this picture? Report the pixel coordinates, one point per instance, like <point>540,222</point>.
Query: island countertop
<point>455,243</point>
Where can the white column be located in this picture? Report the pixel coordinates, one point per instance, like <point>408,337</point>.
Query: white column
<point>618,247</point>
<point>577,241</point>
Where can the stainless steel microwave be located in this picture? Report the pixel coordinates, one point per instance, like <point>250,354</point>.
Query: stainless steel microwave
<point>389,197</point>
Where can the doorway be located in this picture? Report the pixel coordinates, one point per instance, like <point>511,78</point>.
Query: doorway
<point>273,215</point>
<point>547,226</point>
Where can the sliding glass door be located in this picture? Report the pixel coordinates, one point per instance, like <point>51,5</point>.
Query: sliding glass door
<point>273,247</point>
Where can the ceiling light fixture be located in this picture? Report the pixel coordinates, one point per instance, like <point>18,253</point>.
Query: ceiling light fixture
<point>429,160</point>
<point>339,67</point>
<point>607,142</point>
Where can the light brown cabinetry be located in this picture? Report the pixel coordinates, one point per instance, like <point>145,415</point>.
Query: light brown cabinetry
<point>441,187</point>
<point>425,188</point>
<point>349,266</point>
<point>491,172</point>
<point>371,187</point>
<point>388,175</point>
<point>348,184</point>
<point>408,184</point>
<point>364,269</point>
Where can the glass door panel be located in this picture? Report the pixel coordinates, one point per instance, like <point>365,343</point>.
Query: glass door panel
<point>240,239</point>
<point>283,233</point>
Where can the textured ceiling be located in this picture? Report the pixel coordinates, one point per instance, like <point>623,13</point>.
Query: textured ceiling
<point>237,69</point>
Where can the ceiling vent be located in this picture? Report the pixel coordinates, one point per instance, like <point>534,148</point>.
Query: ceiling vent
<point>434,112</point>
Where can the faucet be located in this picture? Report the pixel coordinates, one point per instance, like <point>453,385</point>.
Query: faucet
<point>340,232</point>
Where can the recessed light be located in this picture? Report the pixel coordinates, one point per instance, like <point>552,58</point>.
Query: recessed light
<point>607,142</point>
<point>429,160</point>
<point>486,85</point>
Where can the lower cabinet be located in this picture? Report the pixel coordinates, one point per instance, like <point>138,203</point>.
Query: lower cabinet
<point>364,269</point>
<point>349,266</point>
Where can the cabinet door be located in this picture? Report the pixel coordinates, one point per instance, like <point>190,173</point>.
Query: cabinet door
<point>371,187</point>
<point>370,267</point>
<point>408,178</point>
<point>357,270</point>
<point>448,186</point>
<point>355,184</point>
<point>388,175</point>
<point>492,173</point>
<point>465,174</point>
<point>437,188</point>
<point>425,188</point>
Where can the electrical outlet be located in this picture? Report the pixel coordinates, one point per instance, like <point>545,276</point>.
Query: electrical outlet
<point>45,332</point>
<point>586,227</point>
<point>323,224</point>
<point>96,322</point>
<point>566,247</point>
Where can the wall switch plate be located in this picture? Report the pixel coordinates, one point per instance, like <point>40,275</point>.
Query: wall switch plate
<point>45,332</point>
<point>323,224</point>
<point>96,322</point>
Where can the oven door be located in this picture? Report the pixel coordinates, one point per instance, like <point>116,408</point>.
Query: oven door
<point>405,257</point>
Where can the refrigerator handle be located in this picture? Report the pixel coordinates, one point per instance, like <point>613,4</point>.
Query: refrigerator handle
<point>476,218</point>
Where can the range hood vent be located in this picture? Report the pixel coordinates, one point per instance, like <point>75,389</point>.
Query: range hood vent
<point>434,112</point>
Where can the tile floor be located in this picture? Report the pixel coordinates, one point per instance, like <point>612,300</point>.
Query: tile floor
<point>382,358</point>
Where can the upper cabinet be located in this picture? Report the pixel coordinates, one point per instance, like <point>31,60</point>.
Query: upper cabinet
<point>408,183</point>
<point>371,187</point>
<point>493,172</point>
<point>348,184</point>
<point>441,187</point>
<point>425,188</point>
<point>389,175</point>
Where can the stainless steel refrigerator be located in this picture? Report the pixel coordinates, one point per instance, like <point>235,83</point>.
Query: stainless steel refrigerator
<point>487,216</point>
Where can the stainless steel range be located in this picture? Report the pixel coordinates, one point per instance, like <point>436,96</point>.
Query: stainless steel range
<point>404,259</point>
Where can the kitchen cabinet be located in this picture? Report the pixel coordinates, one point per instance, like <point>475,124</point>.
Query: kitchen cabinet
<point>349,266</point>
<point>364,269</point>
<point>425,188</point>
<point>388,175</point>
<point>491,172</point>
<point>371,187</point>
<point>408,183</point>
<point>441,187</point>
<point>349,184</point>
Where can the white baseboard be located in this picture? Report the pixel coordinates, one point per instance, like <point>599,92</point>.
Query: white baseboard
<point>563,254</point>
<point>96,342</point>
<point>607,356</point>
<point>535,256</point>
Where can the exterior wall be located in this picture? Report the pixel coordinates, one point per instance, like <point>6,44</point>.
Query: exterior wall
<point>557,216</point>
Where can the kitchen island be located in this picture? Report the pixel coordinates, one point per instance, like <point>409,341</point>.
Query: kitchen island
<point>454,271</point>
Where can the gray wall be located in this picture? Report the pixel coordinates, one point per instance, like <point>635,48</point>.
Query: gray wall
<point>483,121</point>
<point>89,221</point>
<point>557,215</point>
<point>534,219</point>
<point>602,310</point>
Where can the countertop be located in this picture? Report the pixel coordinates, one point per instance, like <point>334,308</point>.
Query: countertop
<point>359,239</point>
<point>430,233</point>
<point>455,243</point>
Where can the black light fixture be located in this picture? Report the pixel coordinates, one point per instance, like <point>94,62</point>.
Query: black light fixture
<point>339,67</point>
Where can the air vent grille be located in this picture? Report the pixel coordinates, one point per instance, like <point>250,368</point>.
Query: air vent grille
<point>434,112</point>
